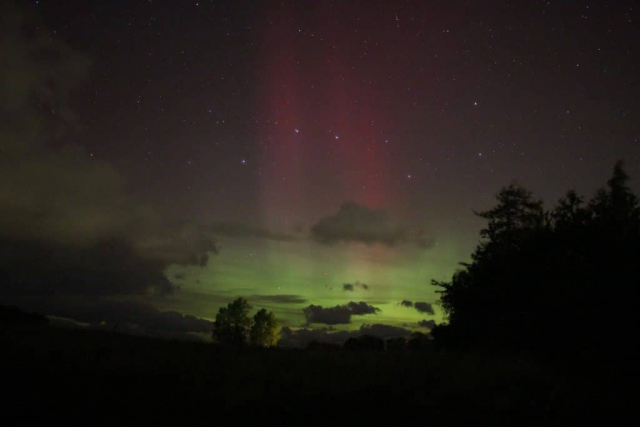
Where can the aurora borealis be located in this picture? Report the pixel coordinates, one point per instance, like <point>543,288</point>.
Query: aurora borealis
<point>282,150</point>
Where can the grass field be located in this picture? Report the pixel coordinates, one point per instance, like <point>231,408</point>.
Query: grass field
<point>96,377</point>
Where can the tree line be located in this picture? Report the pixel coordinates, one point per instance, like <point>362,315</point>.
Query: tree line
<point>549,281</point>
<point>234,327</point>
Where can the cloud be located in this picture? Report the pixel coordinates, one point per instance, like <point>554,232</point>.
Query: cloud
<point>106,312</point>
<point>174,242</point>
<point>361,308</point>
<point>338,315</point>
<point>429,324</point>
<point>104,267</point>
<point>424,307</point>
<point>357,223</point>
<point>68,244</point>
<point>247,231</point>
<point>302,337</point>
<point>329,316</point>
<point>282,299</point>
<point>68,226</point>
<point>350,287</point>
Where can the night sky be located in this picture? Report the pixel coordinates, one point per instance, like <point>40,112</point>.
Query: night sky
<point>322,159</point>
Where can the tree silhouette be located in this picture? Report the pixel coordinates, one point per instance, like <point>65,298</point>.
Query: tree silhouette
<point>570,211</point>
<point>232,323</point>
<point>265,331</point>
<point>516,212</point>
<point>491,280</point>
<point>617,205</point>
<point>541,280</point>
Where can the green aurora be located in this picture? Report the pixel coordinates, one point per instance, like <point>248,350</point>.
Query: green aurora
<point>310,273</point>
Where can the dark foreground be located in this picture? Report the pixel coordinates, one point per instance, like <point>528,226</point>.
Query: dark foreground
<point>96,377</point>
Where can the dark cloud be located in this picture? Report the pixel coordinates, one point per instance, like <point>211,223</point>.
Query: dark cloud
<point>357,223</point>
<point>66,215</point>
<point>340,314</point>
<point>174,242</point>
<point>429,324</point>
<point>329,316</point>
<point>246,231</point>
<point>122,315</point>
<point>361,308</point>
<point>68,226</point>
<point>302,337</point>
<point>105,267</point>
<point>352,286</point>
<point>112,262</point>
<point>282,299</point>
<point>424,307</point>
